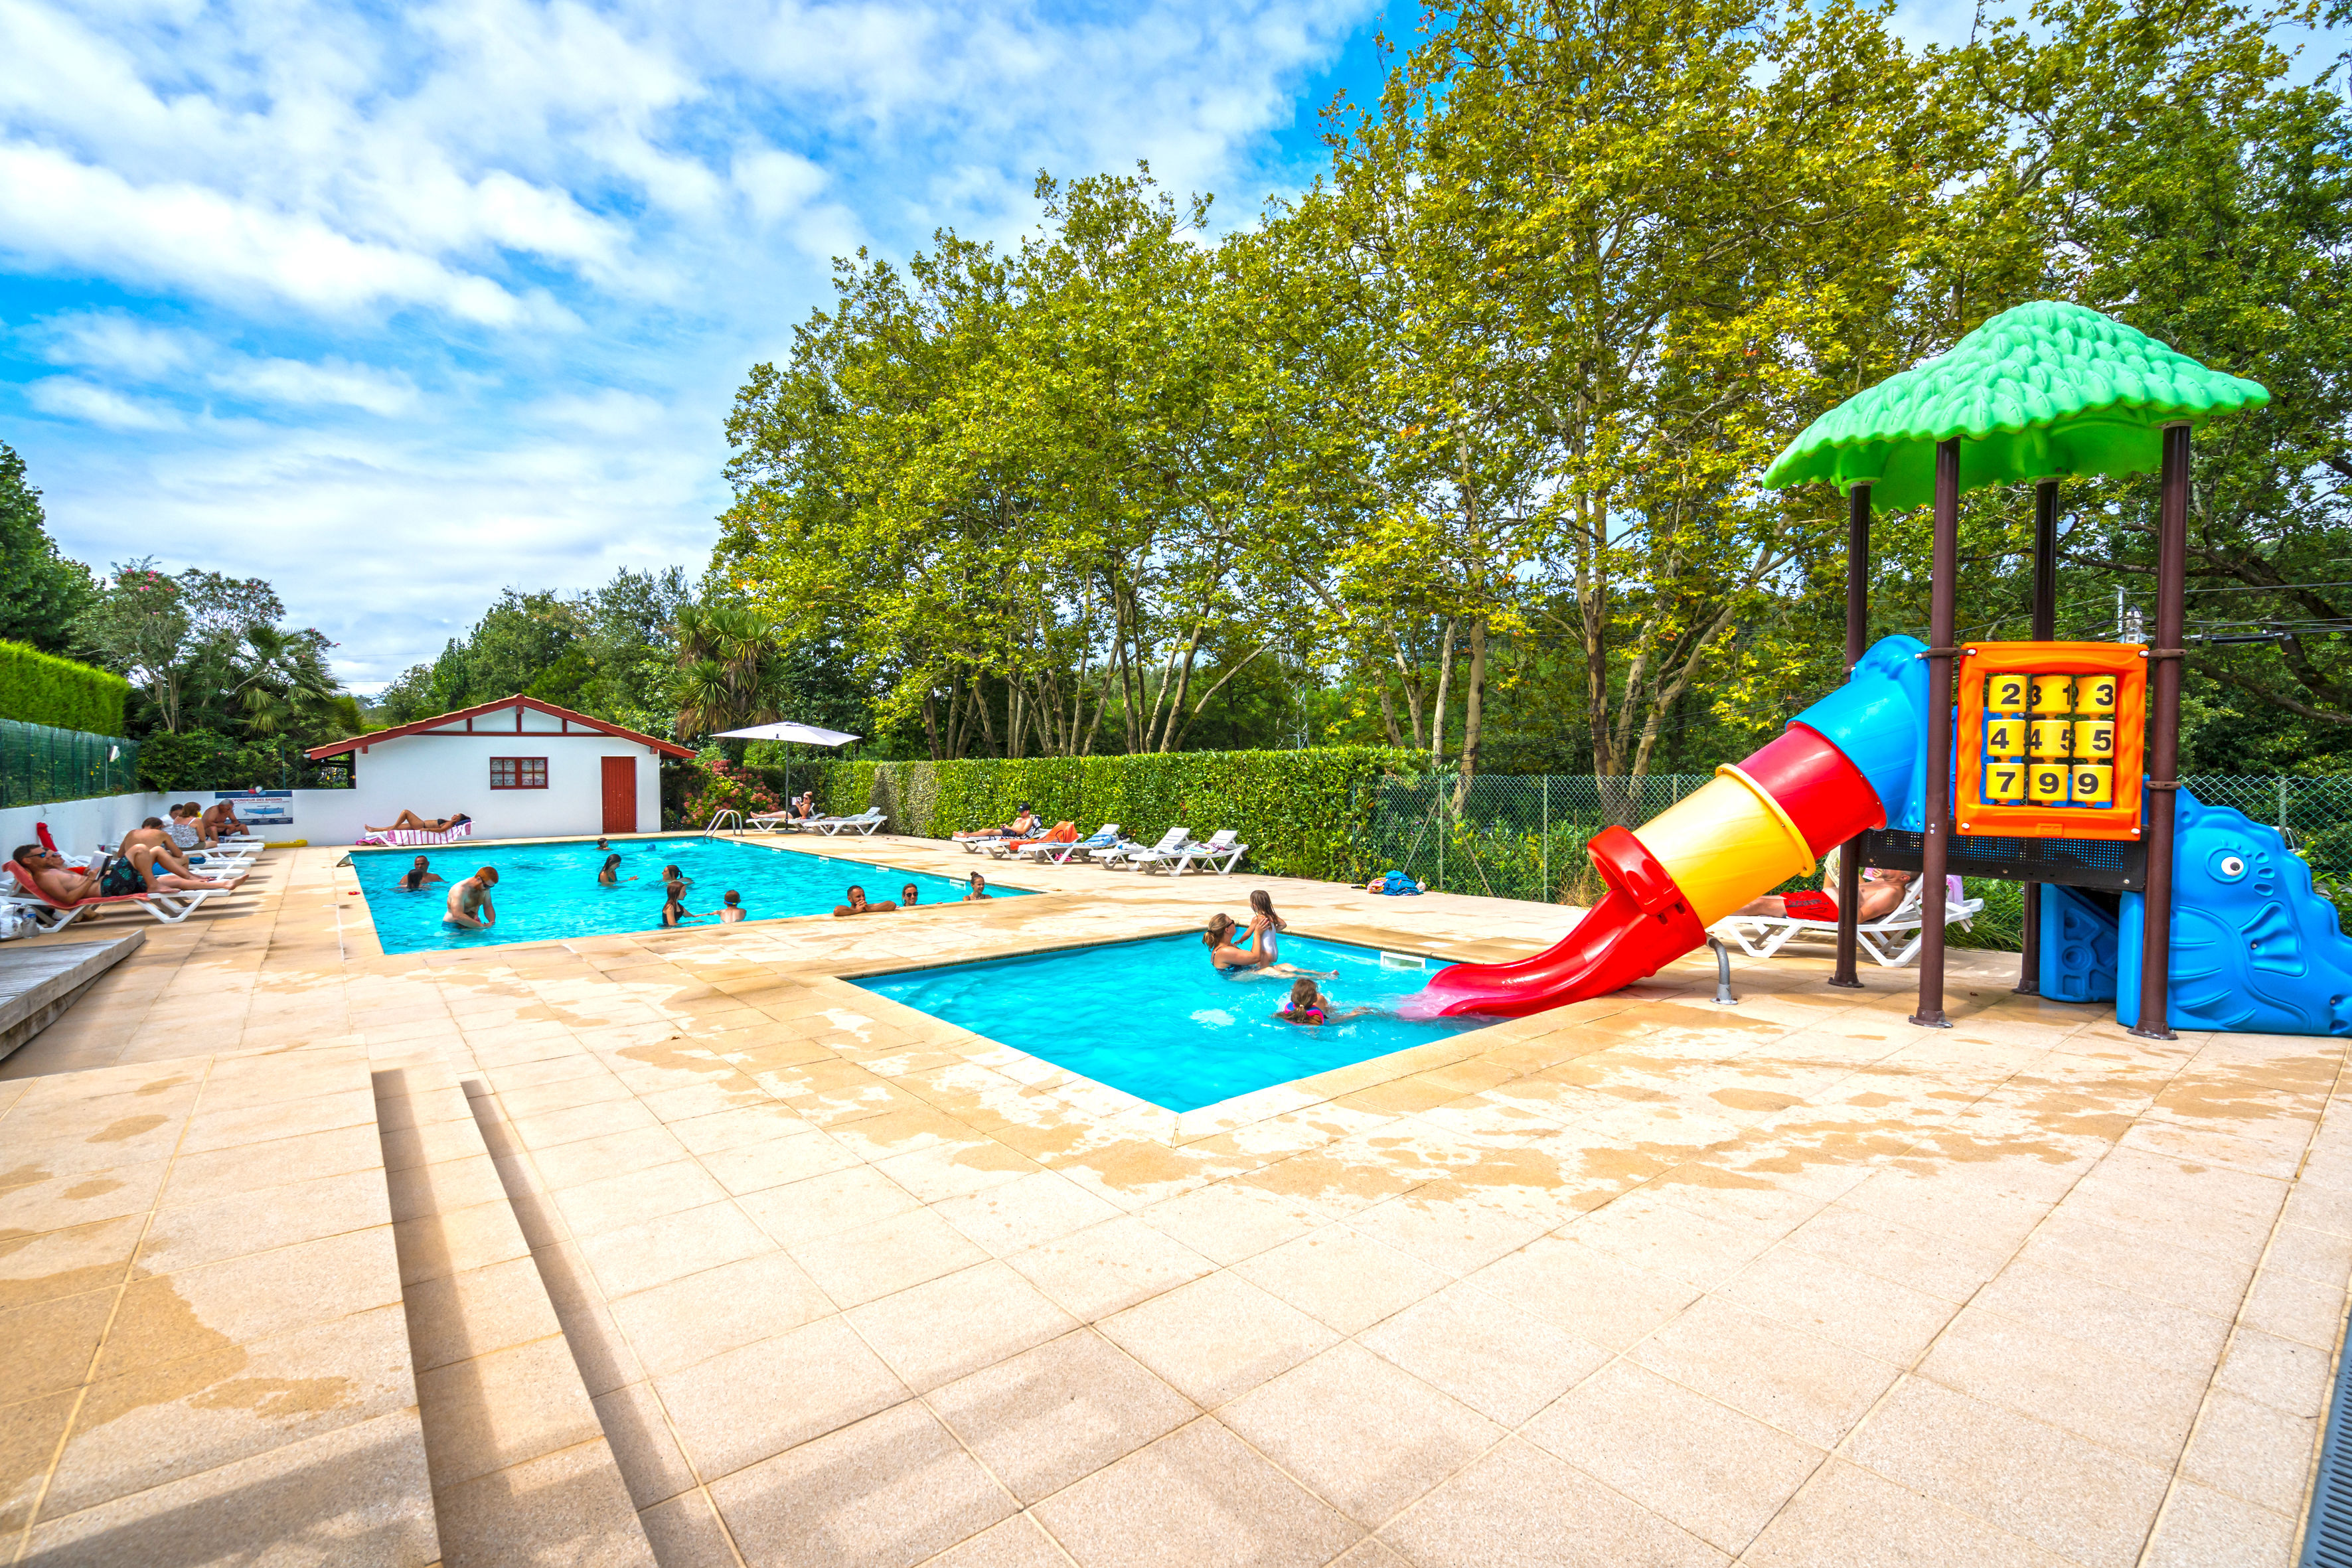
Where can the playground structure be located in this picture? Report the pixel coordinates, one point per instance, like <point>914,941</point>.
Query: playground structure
<point>2059,769</point>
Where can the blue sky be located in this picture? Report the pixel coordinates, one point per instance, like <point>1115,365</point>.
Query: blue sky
<point>396,306</point>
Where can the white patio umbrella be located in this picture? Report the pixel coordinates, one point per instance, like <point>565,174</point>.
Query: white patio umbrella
<point>807,734</point>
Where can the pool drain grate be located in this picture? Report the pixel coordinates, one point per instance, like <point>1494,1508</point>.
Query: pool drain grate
<point>2328,1538</point>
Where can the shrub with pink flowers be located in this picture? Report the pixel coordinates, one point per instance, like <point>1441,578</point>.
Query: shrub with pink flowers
<point>714,784</point>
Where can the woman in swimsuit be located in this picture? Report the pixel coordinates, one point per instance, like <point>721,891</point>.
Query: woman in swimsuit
<point>1239,961</point>
<point>409,822</point>
<point>610,875</point>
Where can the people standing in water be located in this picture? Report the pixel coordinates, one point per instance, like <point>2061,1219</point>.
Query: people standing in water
<point>859,905</point>
<point>469,902</point>
<point>1233,959</point>
<point>674,909</point>
<point>976,888</point>
<point>733,912</point>
<point>610,875</point>
<point>412,880</point>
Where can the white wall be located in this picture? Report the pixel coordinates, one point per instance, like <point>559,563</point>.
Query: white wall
<point>437,776</point>
<point>81,826</point>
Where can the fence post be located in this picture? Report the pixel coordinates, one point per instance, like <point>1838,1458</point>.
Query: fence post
<point>1546,852</point>
<point>2282,797</point>
<point>1441,835</point>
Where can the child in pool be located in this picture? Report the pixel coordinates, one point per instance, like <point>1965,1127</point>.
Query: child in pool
<point>734,910</point>
<point>1265,927</point>
<point>610,875</point>
<point>672,874</point>
<point>674,909</point>
<point>976,888</point>
<point>1308,1006</point>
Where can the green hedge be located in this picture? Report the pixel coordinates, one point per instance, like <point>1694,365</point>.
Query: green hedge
<point>37,687</point>
<point>1301,813</point>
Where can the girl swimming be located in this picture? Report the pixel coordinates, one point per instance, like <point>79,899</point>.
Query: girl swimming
<point>610,875</point>
<point>1308,1006</point>
<point>672,874</point>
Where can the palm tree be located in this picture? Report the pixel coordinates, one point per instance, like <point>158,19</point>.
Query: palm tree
<point>730,670</point>
<point>285,684</point>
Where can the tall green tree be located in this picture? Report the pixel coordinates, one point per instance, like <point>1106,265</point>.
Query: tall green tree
<point>41,591</point>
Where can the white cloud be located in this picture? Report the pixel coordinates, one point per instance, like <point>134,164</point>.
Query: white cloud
<point>115,340</point>
<point>296,383</point>
<point>69,398</point>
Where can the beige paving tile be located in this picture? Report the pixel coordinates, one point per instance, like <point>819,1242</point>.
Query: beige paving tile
<point>738,1408</point>
<point>1491,1356</point>
<point>598,1159</point>
<point>818,1206</point>
<point>356,1496</point>
<point>638,1428</point>
<point>1951,1267</point>
<point>1661,1237</point>
<point>567,1507</point>
<point>1217,1337</point>
<point>2279,1373</point>
<point>66,1262</point>
<point>1849,1518</point>
<point>1520,1504</point>
<point>1063,1410</point>
<point>1451,1227</point>
<point>775,1161</point>
<point>196,1310</point>
<point>80,1198</point>
<point>639,1256</point>
<point>1025,1210</point>
<point>1807,1387</point>
<point>49,1345</point>
<point>2203,1529</point>
<point>2253,1451</point>
<point>581,1122</point>
<point>458,1316</point>
<point>889,1491</point>
<point>164,1423</point>
<point>1594,1297</point>
<point>1702,1466</point>
<point>950,1171</point>
<point>2294,1308</point>
<point>673,1326</point>
<point>1842,1305</point>
<point>2143,1265</point>
<point>444,1186</point>
<point>736,1127</point>
<point>1017,1542</point>
<point>881,1260</point>
<point>1366,1436</point>
<point>1106,1267</point>
<point>1228,1221</point>
<point>2116,1320</point>
<point>686,1533</point>
<point>501,1409</point>
<point>1198,1495</point>
<point>636,1198</point>
<point>1343,1278</point>
<point>2121,1404</point>
<point>2085,1503</point>
<point>440,1245</point>
<point>255,1221</point>
<point>936,1332</point>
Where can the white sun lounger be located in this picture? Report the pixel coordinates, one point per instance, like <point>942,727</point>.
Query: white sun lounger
<point>1135,856</point>
<point>167,906</point>
<point>862,824</point>
<point>411,838</point>
<point>1219,854</point>
<point>1105,838</point>
<point>1762,936</point>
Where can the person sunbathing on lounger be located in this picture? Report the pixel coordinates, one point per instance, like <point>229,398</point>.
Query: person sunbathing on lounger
<point>1878,898</point>
<point>221,820</point>
<point>161,866</point>
<point>409,822</point>
<point>469,902</point>
<point>1023,826</point>
<point>58,881</point>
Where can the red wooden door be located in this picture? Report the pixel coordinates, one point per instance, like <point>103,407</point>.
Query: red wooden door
<point>620,794</point>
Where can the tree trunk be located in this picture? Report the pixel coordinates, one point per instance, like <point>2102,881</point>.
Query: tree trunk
<point>1388,714</point>
<point>1473,711</point>
<point>1437,718</point>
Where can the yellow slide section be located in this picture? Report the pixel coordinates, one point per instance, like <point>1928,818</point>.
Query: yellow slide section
<point>1726,844</point>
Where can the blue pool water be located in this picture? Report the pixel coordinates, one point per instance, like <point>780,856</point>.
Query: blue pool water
<point>1155,1019</point>
<point>546,892</point>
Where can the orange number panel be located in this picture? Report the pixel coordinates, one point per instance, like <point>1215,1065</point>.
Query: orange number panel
<point>2049,738</point>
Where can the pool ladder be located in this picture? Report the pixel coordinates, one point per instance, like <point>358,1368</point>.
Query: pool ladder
<point>719,821</point>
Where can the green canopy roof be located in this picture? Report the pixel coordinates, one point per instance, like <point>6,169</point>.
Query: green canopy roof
<point>2045,391</point>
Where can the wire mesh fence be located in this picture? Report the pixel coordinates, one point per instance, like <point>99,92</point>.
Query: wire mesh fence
<point>39,764</point>
<point>1523,837</point>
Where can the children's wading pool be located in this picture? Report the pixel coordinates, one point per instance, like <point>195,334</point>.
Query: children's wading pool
<point>549,892</point>
<point>1155,1019</point>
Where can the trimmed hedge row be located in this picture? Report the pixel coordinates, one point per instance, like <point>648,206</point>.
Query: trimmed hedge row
<point>1301,813</point>
<point>37,687</point>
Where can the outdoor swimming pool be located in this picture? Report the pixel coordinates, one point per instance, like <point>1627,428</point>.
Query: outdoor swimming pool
<point>549,892</point>
<point>1154,1018</point>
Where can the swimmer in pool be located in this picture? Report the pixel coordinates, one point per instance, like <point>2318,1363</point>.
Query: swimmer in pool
<point>909,896</point>
<point>611,875</point>
<point>412,880</point>
<point>1240,962</point>
<point>672,874</point>
<point>469,902</point>
<point>734,910</point>
<point>1308,1006</point>
<point>674,909</point>
<point>976,890</point>
<point>859,905</point>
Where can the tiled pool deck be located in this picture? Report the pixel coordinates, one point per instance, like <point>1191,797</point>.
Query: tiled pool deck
<point>679,1249</point>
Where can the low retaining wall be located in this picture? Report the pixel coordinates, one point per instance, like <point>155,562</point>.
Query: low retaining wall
<point>80,825</point>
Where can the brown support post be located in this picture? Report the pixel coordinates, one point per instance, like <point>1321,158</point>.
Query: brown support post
<point>1943,585</point>
<point>1857,632</point>
<point>2164,736</point>
<point>2045,627</point>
